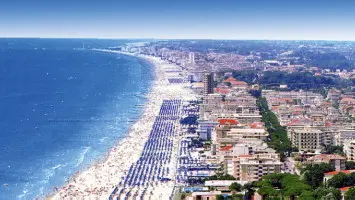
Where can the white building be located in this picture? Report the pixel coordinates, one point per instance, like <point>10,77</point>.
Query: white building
<point>192,58</point>
<point>349,149</point>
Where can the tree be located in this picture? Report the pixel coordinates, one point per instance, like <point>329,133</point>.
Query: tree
<point>248,76</point>
<point>278,134</point>
<point>235,187</point>
<point>237,197</point>
<point>183,196</point>
<point>327,193</point>
<point>342,180</point>
<point>306,195</point>
<point>313,174</point>
<point>350,194</point>
<point>338,180</point>
<point>350,181</point>
<point>267,191</point>
<point>334,150</point>
<point>220,176</point>
<point>350,165</point>
<point>249,190</point>
<point>281,185</point>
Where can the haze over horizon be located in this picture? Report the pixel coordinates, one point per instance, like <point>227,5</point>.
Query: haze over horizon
<point>272,20</point>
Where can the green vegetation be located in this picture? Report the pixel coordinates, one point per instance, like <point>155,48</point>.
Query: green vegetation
<point>237,197</point>
<point>342,180</point>
<point>290,186</point>
<point>350,165</point>
<point>220,176</point>
<point>294,81</point>
<point>327,193</point>
<point>235,187</point>
<point>334,150</point>
<point>329,60</point>
<point>301,80</point>
<point>249,76</point>
<point>285,186</point>
<point>313,174</point>
<point>350,194</point>
<point>274,186</point>
<point>249,190</point>
<point>278,134</point>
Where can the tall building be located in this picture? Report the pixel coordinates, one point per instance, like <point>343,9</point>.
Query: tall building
<point>208,83</point>
<point>337,161</point>
<point>349,149</point>
<point>253,167</point>
<point>192,58</point>
<point>306,139</point>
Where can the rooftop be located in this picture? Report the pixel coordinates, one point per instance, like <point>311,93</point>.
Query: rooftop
<point>337,172</point>
<point>326,157</point>
<point>227,121</point>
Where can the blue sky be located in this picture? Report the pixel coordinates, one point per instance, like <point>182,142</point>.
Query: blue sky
<point>192,19</point>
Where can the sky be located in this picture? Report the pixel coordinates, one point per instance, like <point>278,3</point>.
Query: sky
<point>180,19</point>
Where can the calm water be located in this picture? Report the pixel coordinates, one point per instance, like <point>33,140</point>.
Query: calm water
<point>61,109</point>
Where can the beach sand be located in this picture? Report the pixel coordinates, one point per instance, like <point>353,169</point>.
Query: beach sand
<point>99,180</point>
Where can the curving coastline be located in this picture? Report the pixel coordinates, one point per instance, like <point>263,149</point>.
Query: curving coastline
<point>98,181</point>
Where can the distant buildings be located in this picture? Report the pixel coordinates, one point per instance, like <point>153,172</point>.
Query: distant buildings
<point>250,168</point>
<point>192,58</point>
<point>312,121</point>
<point>349,150</point>
<point>305,139</point>
<point>208,83</point>
<point>337,161</point>
<point>231,127</point>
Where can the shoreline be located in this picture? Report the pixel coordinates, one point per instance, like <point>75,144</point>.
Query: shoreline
<point>100,178</point>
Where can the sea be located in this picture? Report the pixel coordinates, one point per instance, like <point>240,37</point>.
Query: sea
<point>62,107</point>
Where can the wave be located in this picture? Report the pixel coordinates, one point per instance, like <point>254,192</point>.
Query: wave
<point>24,192</point>
<point>82,156</point>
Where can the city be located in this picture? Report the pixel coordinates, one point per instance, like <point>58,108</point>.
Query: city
<point>177,100</point>
<point>256,118</point>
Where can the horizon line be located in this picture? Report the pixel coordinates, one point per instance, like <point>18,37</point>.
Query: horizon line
<point>217,39</point>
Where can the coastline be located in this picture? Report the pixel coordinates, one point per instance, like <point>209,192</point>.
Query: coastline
<point>99,180</point>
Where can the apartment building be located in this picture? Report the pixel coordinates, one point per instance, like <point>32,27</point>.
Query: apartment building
<point>306,138</point>
<point>349,150</point>
<point>337,161</point>
<point>253,167</point>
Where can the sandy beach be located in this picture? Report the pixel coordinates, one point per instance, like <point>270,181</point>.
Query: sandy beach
<point>99,180</point>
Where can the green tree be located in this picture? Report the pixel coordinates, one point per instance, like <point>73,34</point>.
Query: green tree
<point>220,176</point>
<point>350,181</point>
<point>350,165</point>
<point>350,194</point>
<point>334,150</point>
<point>281,185</point>
<point>278,134</point>
<point>339,180</point>
<point>267,191</point>
<point>306,195</point>
<point>249,190</point>
<point>235,187</point>
<point>313,174</point>
<point>237,197</point>
<point>327,193</point>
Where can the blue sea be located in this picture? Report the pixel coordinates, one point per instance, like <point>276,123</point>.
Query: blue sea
<point>62,108</point>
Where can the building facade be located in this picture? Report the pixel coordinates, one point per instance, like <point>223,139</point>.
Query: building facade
<point>208,83</point>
